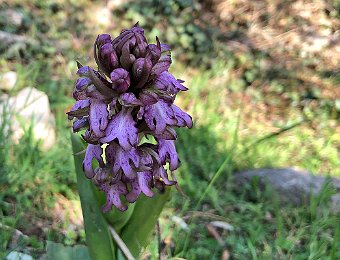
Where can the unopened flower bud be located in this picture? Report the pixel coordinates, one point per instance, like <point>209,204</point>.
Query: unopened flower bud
<point>141,71</point>
<point>120,80</point>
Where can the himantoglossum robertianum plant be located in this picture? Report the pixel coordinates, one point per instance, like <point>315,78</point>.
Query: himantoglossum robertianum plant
<point>126,107</point>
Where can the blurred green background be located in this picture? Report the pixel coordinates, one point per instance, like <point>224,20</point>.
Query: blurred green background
<point>264,91</point>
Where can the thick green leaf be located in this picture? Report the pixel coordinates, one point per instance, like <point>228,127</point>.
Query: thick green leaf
<point>59,251</point>
<point>98,237</point>
<point>137,232</point>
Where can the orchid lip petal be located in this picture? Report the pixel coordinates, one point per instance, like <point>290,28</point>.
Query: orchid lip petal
<point>123,160</point>
<point>113,197</point>
<point>158,116</point>
<point>183,119</point>
<point>168,83</point>
<point>98,117</point>
<point>92,152</point>
<point>167,152</point>
<point>133,195</point>
<point>122,126</point>
<point>144,181</point>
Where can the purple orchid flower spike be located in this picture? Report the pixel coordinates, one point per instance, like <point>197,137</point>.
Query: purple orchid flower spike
<point>130,95</point>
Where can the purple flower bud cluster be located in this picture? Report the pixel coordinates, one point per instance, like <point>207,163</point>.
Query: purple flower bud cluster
<point>127,110</point>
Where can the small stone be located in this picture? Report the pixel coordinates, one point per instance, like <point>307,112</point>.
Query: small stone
<point>14,255</point>
<point>13,17</point>
<point>30,107</point>
<point>8,80</point>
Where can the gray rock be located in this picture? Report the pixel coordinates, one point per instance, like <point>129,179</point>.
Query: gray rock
<point>12,17</point>
<point>8,80</point>
<point>7,39</point>
<point>14,255</point>
<point>15,237</point>
<point>29,108</point>
<point>292,186</point>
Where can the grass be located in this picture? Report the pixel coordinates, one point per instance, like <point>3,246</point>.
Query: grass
<point>211,152</point>
<point>236,127</point>
<point>262,228</point>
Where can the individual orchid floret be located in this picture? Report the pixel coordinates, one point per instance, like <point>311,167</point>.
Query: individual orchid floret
<point>161,175</point>
<point>142,183</point>
<point>121,106</point>
<point>167,82</point>
<point>113,193</point>
<point>141,71</point>
<point>120,159</point>
<point>82,83</point>
<point>98,117</point>
<point>158,116</point>
<point>164,62</point>
<point>167,153</point>
<point>92,152</point>
<point>153,52</point>
<point>122,127</point>
<point>183,119</point>
<point>129,100</point>
<point>83,71</point>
